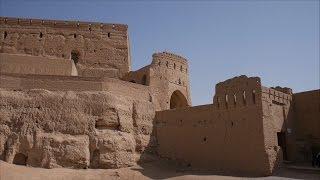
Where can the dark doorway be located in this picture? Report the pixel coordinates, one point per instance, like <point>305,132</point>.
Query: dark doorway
<point>75,56</point>
<point>283,144</point>
<point>20,159</point>
<point>144,80</point>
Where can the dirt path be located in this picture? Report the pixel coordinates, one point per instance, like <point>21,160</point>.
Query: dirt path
<point>156,170</point>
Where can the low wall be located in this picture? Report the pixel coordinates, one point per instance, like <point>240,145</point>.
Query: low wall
<point>24,64</point>
<point>205,137</point>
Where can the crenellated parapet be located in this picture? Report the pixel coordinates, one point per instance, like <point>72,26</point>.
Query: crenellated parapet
<point>71,25</point>
<point>239,91</point>
<point>277,95</point>
<point>170,61</point>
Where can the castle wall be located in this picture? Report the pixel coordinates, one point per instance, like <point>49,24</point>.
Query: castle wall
<point>222,136</point>
<point>306,123</point>
<point>102,49</point>
<point>21,64</point>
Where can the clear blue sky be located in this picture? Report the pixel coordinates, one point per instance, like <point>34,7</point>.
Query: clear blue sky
<point>277,40</point>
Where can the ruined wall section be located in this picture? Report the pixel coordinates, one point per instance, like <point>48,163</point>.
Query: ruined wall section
<point>222,136</point>
<point>278,124</point>
<point>102,49</point>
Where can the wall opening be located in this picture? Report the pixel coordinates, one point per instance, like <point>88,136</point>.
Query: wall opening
<point>132,81</point>
<point>167,64</point>
<point>144,80</point>
<point>178,100</point>
<point>181,68</point>
<point>254,97</point>
<point>5,35</point>
<point>244,98</point>
<point>226,100</point>
<point>75,56</point>
<point>40,35</point>
<point>74,35</point>
<point>204,139</point>
<point>109,35</point>
<point>20,159</point>
<point>174,65</point>
<point>281,136</point>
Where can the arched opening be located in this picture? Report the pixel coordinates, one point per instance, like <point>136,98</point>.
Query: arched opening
<point>75,56</point>
<point>178,100</point>
<point>20,159</point>
<point>144,80</point>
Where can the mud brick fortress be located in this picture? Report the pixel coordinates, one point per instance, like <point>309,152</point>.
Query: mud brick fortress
<point>69,99</point>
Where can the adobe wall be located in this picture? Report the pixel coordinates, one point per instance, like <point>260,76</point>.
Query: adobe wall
<point>69,83</point>
<point>103,48</point>
<point>222,136</point>
<point>277,118</point>
<point>22,64</point>
<point>306,123</point>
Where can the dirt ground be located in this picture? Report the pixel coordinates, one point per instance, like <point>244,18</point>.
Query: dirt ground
<point>155,170</point>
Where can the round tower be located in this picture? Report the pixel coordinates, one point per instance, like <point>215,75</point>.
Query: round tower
<point>170,73</point>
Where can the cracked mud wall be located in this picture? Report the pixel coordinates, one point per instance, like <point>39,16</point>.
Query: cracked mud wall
<point>74,129</point>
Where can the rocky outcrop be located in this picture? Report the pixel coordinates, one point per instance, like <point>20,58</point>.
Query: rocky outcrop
<point>50,129</point>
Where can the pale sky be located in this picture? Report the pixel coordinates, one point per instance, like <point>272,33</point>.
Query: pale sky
<point>277,40</point>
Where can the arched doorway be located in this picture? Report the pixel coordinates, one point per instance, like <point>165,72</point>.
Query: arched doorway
<point>178,100</point>
<point>20,159</point>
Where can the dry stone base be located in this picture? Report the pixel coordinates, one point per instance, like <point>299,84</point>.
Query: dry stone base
<point>50,129</point>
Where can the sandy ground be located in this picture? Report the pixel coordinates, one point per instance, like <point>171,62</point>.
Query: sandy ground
<point>156,170</point>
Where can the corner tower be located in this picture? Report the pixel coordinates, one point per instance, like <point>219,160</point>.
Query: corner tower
<point>168,78</point>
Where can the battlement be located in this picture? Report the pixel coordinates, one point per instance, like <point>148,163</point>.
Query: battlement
<point>170,61</point>
<point>239,91</point>
<point>283,89</point>
<point>72,25</point>
<point>276,96</point>
<point>170,56</point>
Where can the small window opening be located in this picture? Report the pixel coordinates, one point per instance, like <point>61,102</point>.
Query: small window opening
<point>40,35</point>
<point>254,96</point>
<point>231,123</point>
<point>75,56</point>
<point>90,28</point>
<point>144,80</point>
<point>179,81</point>
<point>186,70</point>
<point>226,98</point>
<point>74,35</point>
<point>174,65</point>
<point>181,68</point>
<point>204,139</point>
<point>167,64</point>
<point>5,35</point>
<point>159,63</point>
<point>109,35</point>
